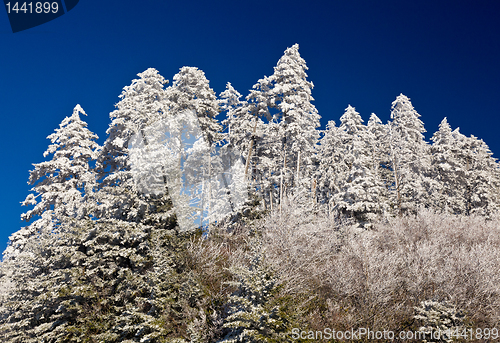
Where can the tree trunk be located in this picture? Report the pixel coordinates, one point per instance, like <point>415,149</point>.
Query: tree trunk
<point>314,191</point>
<point>281,181</point>
<point>209,188</point>
<point>298,169</point>
<point>271,199</point>
<point>396,174</point>
<point>250,149</point>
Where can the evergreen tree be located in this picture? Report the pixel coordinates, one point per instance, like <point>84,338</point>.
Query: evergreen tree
<point>63,186</point>
<point>360,187</point>
<point>244,137</point>
<point>409,157</point>
<point>350,134</point>
<point>446,168</point>
<point>262,149</point>
<point>237,128</point>
<point>190,90</point>
<point>380,156</point>
<point>441,321</point>
<point>142,103</point>
<point>329,156</point>
<point>252,317</point>
<point>479,176</point>
<point>287,144</point>
<point>465,171</point>
<point>104,280</point>
<point>297,117</point>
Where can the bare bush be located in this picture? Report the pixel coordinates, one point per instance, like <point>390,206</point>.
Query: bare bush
<point>375,278</point>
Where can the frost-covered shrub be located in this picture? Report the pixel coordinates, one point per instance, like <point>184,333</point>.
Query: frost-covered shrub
<point>299,245</point>
<point>344,277</point>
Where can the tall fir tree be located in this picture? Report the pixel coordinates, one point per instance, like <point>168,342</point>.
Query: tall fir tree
<point>350,134</point>
<point>260,150</point>
<point>360,190</point>
<point>288,145</point>
<point>380,154</point>
<point>64,186</point>
<point>329,158</point>
<point>191,90</point>
<point>142,103</point>
<point>231,103</point>
<point>409,157</point>
<point>446,168</point>
<point>466,173</point>
<point>298,118</point>
<point>479,177</point>
<point>244,135</point>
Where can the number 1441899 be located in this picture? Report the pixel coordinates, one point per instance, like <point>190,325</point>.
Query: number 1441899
<point>32,7</point>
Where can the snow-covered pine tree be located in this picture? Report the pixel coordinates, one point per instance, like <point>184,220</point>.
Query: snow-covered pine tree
<point>63,186</point>
<point>441,321</point>
<point>446,169</point>
<point>360,189</point>
<point>350,132</point>
<point>142,103</point>
<point>244,136</point>
<point>329,157</point>
<point>231,103</point>
<point>191,90</point>
<point>380,157</point>
<point>297,118</point>
<point>466,173</point>
<point>100,280</point>
<point>262,148</point>
<point>409,157</point>
<point>479,176</point>
<point>252,317</point>
<point>287,141</point>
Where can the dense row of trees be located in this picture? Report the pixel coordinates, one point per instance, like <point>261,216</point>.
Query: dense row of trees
<point>102,260</point>
<point>363,170</point>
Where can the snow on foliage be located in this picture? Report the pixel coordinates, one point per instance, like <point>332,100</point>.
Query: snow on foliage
<point>181,230</point>
<point>441,321</point>
<point>142,103</point>
<point>63,186</point>
<point>360,189</point>
<point>190,90</point>
<point>466,173</point>
<point>409,157</point>
<point>251,318</point>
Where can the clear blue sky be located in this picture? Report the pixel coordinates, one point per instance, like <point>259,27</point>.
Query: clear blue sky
<point>444,55</point>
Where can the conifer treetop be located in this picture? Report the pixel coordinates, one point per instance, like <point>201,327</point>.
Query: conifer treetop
<point>191,90</point>
<point>405,119</point>
<point>351,122</point>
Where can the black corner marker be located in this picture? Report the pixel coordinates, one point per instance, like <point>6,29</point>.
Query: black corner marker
<point>24,15</point>
<point>70,4</point>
